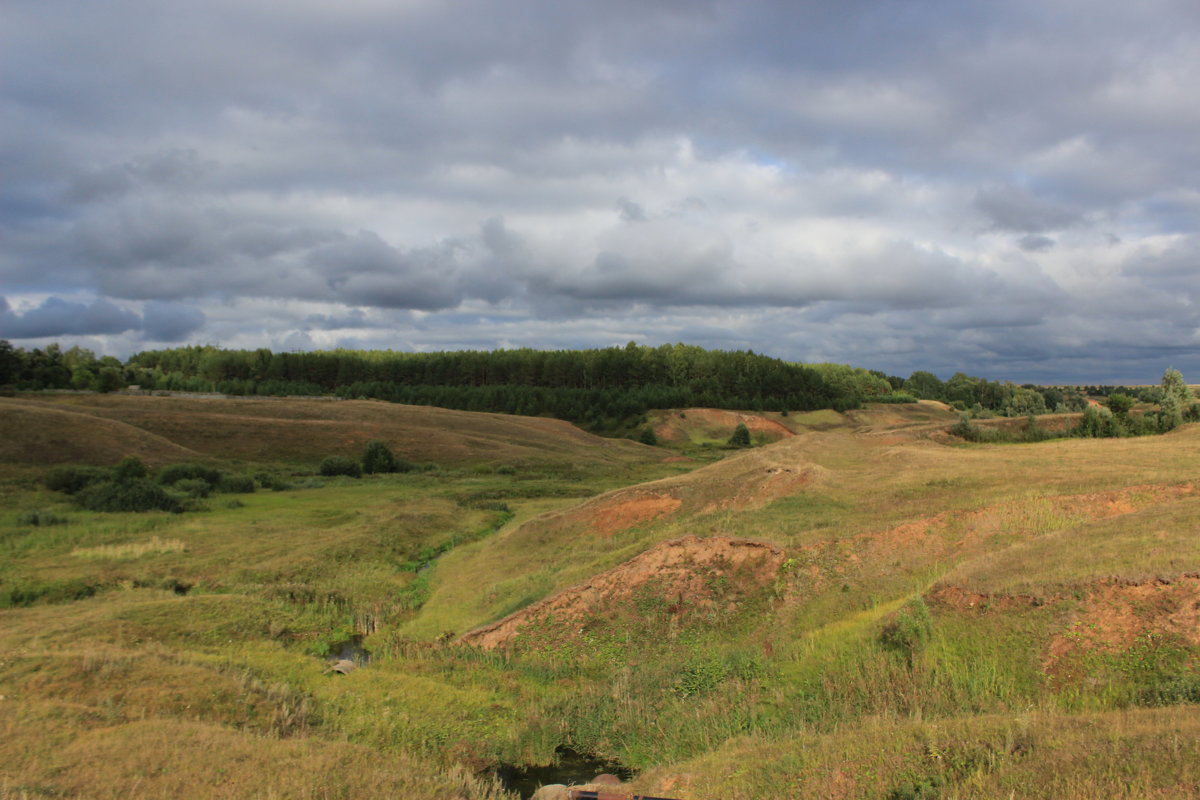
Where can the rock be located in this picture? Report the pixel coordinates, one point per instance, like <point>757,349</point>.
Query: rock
<point>342,666</point>
<point>607,779</point>
<point>552,791</point>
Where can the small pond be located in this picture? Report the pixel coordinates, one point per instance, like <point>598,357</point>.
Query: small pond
<point>570,768</point>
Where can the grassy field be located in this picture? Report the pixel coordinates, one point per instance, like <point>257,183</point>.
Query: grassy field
<point>861,607</point>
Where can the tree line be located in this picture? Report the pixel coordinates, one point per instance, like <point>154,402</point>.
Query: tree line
<point>597,388</point>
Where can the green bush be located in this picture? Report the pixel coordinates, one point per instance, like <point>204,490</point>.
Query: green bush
<point>377,457</point>
<point>173,474</point>
<point>741,436</point>
<point>131,468</point>
<point>340,465</point>
<point>135,494</point>
<point>909,630</point>
<point>235,483</point>
<point>648,436</point>
<point>71,479</point>
<point>41,519</point>
<point>193,487</point>
<point>893,397</point>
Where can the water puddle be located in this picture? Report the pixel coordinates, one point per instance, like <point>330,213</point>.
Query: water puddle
<point>350,650</point>
<point>570,768</point>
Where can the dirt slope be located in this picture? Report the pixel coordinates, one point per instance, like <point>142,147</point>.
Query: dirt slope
<point>712,424</point>
<point>672,572</point>
<point>750,479</point>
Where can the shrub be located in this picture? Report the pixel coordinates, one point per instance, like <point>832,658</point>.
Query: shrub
<point>130,468</point>
<point>41,519</point>
<point>340,465</point>
<point>409,466</point>
<point>378,458</point>
<point>235,483</point>
<point>741,436</point>
<point>909,630</point>
<point>71,479</point>
<point>1120,403</point>
<point>135,494</point>
<point>894,397</point>
<point>193,487</point>
<point>647,436</point>
<point>173,474</point>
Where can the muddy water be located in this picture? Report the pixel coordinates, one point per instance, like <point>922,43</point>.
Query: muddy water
<point>570,768</point>
<point>350,650</point>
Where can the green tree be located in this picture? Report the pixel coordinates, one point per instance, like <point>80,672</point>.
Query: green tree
<point>1176,397</point>
<point>1120,403</point>
<point>377,457</point>
<point>924,385</point>
<point>741,436</point>
<point>648,436</point>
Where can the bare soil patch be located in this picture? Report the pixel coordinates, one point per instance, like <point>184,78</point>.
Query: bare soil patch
<point>713,423</point>
<point>701,572</point>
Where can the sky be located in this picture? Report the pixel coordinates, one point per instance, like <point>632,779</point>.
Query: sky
<point>1008,189</point>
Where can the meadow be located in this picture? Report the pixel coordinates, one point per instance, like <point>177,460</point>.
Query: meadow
<point>860,606</point>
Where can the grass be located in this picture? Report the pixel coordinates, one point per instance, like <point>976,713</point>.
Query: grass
<point>153,546</point>
<point>155,654</point>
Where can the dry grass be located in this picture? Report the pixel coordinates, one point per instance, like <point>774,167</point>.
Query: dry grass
<point>152,546</point>
<point>50,429</point>
<point>786,692</point>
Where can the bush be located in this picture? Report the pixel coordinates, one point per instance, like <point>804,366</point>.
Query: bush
<point>71,479</point>
<point>648,436</point>
<point>741,436</point>
<point>173,474</point>
<point>909,630</point>
<point>135,494</point>
<point>409,466</point>
<point>894,397</point>
<point>41,519</point>
<point>340,465</point>
<point>235,483</point>
<point>193,487</point>
<point>378,458</point>
<point>131,468</point>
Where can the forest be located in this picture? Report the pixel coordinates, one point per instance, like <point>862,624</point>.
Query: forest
<point>597,388</point>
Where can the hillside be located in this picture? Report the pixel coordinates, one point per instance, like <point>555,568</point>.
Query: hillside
<point>862,608</point>
<point>89,428</point>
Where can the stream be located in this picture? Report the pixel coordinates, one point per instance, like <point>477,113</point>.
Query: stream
<point>569,768</point>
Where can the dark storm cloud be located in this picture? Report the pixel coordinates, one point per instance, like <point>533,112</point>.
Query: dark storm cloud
<point>170,322</point>
<point>986,186</point>
<point>57,317</point>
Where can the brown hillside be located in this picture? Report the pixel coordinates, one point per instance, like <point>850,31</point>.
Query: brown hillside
<point>747,480</point>
<point>285,429</point>
<point>715,424</point>
<point>31,433</point>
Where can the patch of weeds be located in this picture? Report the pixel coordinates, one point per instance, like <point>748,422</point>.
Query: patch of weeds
<point>41,519</point>
<point>909,631</point>
<point>928,787</point>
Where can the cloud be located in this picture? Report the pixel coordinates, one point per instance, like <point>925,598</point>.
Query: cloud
<point>170,322</point>
<point>56,317</point>
<point>1012,208</point>
<point>877,181</point>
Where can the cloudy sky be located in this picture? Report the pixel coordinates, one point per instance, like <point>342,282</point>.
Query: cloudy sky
<point>1006,188</point>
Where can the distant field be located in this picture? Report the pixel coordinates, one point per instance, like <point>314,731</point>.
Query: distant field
<point>860,607</point>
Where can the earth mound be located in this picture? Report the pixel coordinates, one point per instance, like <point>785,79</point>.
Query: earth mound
<point>681,575</point>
